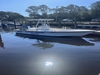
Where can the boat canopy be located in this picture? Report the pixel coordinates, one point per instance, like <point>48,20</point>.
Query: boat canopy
<point>40,19</point>
<point>43,19</point>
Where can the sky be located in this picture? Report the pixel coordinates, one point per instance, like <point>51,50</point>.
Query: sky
<point>20,6</point>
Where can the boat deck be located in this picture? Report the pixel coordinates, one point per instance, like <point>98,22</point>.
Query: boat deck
<point>59,29</point>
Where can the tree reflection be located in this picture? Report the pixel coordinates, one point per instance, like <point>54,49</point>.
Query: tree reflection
<point>1,43</point>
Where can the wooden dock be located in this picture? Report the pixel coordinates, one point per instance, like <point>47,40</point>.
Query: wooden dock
<point>88,26</point>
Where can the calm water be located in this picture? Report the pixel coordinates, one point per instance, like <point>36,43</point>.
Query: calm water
<point>49,56</point>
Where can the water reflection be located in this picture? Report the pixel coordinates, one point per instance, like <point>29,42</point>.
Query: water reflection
<point>47,42</point>
<point>93,38</point>
<point>1,42</point>
<point>48,63</point>
<point>99,74</point>
<point>43,45</point>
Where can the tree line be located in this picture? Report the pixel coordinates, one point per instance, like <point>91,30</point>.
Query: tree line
<point>74,12</point>
<point>10,16</point>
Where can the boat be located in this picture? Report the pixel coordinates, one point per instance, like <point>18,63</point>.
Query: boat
<point>44,30</point>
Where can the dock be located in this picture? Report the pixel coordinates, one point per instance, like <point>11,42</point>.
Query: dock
<point>88,26</point>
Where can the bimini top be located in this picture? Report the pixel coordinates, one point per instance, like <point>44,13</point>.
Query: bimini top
<point>44,24</point>
<point>40,19</point>
<point>43,19</point>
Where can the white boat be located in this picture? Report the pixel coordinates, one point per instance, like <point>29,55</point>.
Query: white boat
<point>45,30</point>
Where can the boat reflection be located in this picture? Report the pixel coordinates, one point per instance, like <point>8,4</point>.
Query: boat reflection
<point>43,45</point>
<point>47,42</point>
<point>93,38</point>
<point>1,42</point>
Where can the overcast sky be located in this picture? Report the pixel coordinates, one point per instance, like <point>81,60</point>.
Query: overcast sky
<point>20,6</point>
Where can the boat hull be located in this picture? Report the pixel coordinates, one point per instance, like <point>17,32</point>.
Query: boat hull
<point>53,34</point>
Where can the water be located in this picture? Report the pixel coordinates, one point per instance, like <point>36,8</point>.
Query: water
<point>49,56</point>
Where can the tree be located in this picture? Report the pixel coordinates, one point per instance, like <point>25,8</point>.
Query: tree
<point>44,10</point>
<point>95,9</point>
<point>33,11</point>
<point>62,12</point>
<point>73,11</point>
<point>84,13</point>
<point>10,16</point>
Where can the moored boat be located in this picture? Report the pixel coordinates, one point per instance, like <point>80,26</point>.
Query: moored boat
<point>46,31</point>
